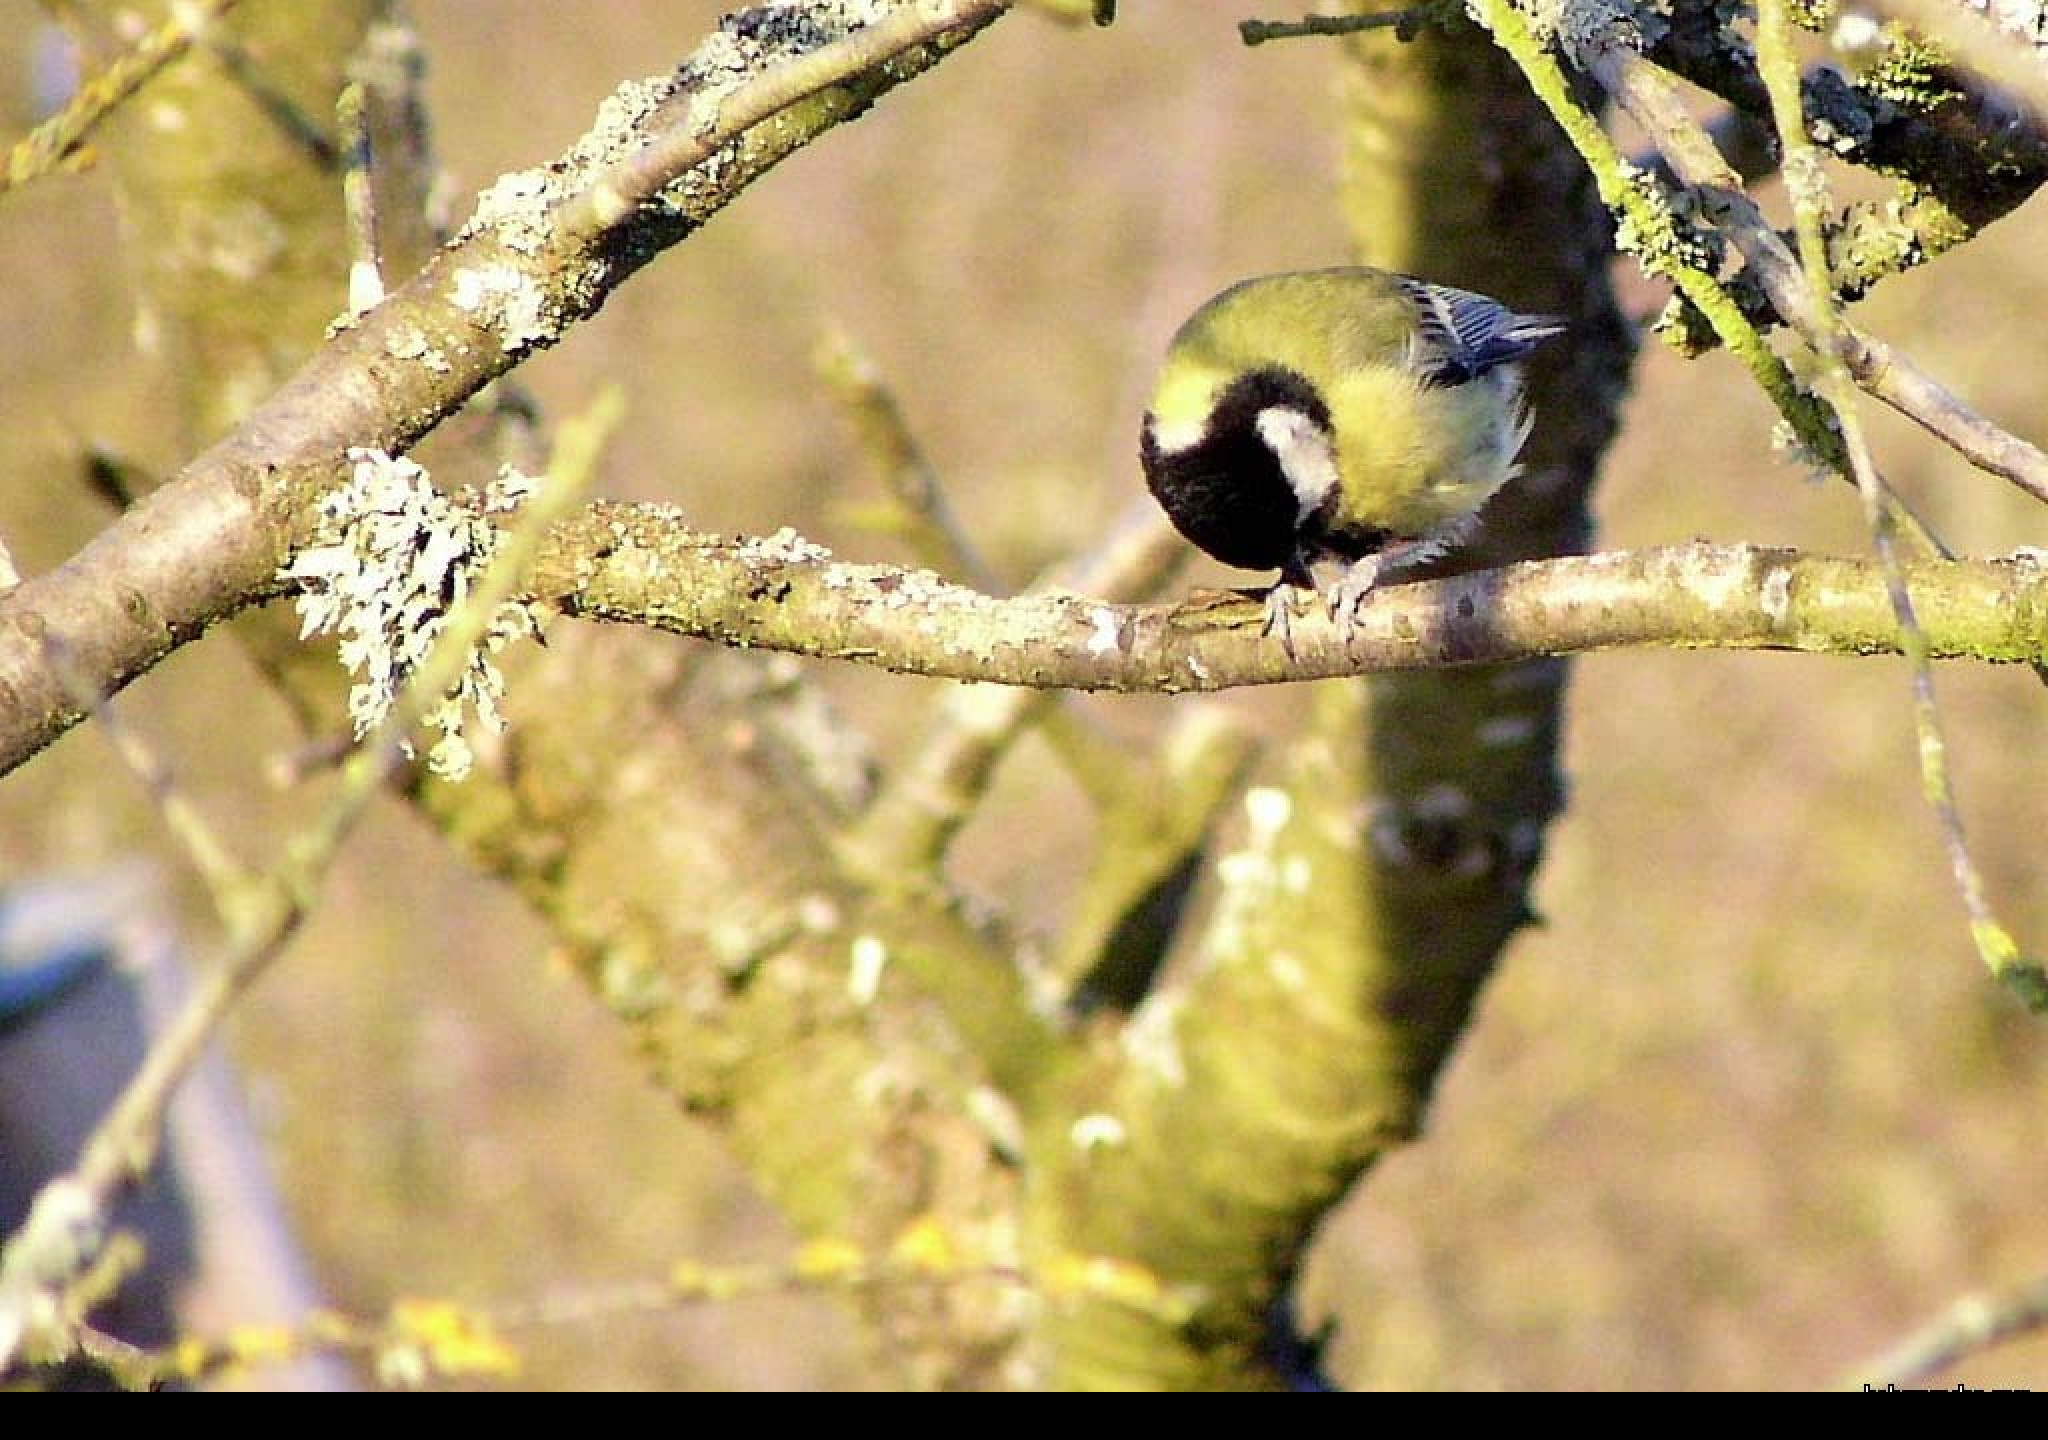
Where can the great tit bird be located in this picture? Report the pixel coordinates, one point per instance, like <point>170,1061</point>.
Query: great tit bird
<point>1349,415</point>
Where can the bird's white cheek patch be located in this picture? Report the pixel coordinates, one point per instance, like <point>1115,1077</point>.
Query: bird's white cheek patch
<point>1174,436</point>
<point>1306,456</point>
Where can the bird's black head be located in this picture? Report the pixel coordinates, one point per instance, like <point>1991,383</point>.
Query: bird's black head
<point>1223,486</point>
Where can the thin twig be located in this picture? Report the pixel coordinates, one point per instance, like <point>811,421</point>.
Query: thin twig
<point>427,1339</point>
<point>1806,184</point>
<point>919,511</point>
<point>359,201</point>
<point>1405,23</point>
<point>54,142</point>
<point>227,880</point>
<point>1968,1327</point>
<point>247,72</point>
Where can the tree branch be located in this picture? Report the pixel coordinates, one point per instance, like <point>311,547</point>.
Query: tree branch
<point>63,1237</point>
<point>633,564</point>
<point>1969,1327</point>
<point>542,253</point>
<point>56,142</point>
<point>1648,94</point>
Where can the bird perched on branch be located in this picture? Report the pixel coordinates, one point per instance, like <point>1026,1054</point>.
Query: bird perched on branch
<point>1346,415</point>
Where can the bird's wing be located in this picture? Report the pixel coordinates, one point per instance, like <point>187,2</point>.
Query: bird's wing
<point>1461,335</point>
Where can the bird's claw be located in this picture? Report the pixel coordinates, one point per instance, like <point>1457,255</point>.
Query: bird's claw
<point>1280,616</point>
<point>1344,600</point>
<point>1348,596</point>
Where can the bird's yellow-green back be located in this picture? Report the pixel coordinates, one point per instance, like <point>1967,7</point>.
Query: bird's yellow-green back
<point>1319,324</point>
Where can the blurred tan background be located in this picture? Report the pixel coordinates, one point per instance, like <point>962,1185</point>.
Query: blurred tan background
<point>1743,1111</point>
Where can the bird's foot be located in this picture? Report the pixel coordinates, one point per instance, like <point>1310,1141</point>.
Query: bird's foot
<point>1348,595</point>
<point>1280,614</point>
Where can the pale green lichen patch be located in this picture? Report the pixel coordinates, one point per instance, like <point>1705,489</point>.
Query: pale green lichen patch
<point>242,242</point>
<point>749,42</point>
<point>1776,595</point>
<point>1660,228</point>
<point>1789,444</point>
<point>409,342</point>
<point>517,208</point>
<point>390,558</point>
<point>1899,67</point>
<point>1264,869</point>
<point>784,547</point>
<point>506,301</point>
<point>1105,632</point>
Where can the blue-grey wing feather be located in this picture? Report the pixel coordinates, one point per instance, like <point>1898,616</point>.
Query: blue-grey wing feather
<point>1463,335</point>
